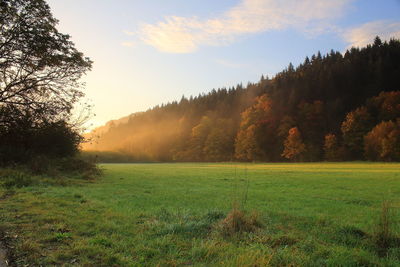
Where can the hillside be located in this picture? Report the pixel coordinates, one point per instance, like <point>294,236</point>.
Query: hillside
<point>322,109</point>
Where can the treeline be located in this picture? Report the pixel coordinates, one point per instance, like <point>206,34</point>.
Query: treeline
<point>330,107</point>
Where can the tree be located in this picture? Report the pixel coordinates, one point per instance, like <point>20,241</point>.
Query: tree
<point>294,145</point>
<point>219,143</point>
<point>312,124</point>
<point>286,123</point>
<point>40,70</point>
<point>332,150</point>
<point>247,145</point>
<point>251,138</point>
<point>385,106</point>
<point>199,136</point>
<point>383,142</point>
<point>377,41</point>
<point>39,67</point>
<point>356,125</point>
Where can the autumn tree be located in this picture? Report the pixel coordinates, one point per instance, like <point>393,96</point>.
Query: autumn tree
<point>385,106</point>
<point>247,146</point>
<point>294,145</point>
<point>383,142</point>
<point>332,149</point>
<point>253,132</point>
<point>355,126</point>
<point>286,123</point>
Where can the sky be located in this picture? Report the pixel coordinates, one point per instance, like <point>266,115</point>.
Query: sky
<point>149,52</point>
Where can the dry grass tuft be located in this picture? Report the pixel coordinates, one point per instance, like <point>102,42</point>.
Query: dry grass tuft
<point>237,221</point>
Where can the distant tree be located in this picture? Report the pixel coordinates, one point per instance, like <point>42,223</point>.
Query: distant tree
<point>356,125</point>
<point>198,138</point>
<point>312,124</point>
<point>247,146</point>
<point>385,106</point>
<point>290,68</point>
<point>294,145</point>
<point>286,123</point>
<point>383,142</point>
<point>377,41</point>
<point>219,143</point>
<point>251,139</point>
<point>332,150</point>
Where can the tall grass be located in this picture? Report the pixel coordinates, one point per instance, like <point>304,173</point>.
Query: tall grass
<point>239,220</point>
<point>384,235</point>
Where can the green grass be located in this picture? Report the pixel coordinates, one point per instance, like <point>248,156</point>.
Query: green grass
<point>313,214</point>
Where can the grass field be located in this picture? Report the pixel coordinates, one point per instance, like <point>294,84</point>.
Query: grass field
<point>311,214</point>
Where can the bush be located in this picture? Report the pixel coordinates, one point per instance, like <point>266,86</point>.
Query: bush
<point>22,141</point>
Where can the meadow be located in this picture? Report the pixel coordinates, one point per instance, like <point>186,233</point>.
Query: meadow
<point>308,214</point>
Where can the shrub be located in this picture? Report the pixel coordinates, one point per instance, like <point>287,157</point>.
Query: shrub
<point>38,165</point>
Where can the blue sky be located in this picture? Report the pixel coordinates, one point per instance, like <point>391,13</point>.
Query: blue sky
<point>148,52</point>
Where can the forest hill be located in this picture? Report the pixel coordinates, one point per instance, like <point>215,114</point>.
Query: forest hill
<point>332,107</point>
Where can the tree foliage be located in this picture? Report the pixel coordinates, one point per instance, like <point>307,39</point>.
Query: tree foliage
<point>250,140</point>
<point>332,149</point>
<point>40,70</point>
<point>355,126</point>
<point>383,142</point>
<point>39,66</point>
<point>294,145</point>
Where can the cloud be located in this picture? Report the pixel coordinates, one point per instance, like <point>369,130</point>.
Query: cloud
<point>362,35</point>
<point>186,34</point>
<point>126,32</point>
<point>128,44</point>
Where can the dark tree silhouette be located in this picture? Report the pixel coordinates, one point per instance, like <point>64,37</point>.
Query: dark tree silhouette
<point>40,70</point>
<point>39,67</point>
